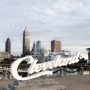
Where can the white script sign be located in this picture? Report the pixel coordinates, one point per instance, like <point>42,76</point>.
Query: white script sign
<point>41,68</point>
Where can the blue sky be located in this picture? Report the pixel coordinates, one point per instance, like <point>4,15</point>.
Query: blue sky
<point>65,20</point>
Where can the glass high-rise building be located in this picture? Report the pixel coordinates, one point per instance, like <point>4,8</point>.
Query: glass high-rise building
<point>38,46</point>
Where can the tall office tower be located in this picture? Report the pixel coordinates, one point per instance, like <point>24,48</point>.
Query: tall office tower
<point>26,41</point>
<point>8,46</point>
<point>38,47</point>
<point>33,48</point>
<point>55,46</point>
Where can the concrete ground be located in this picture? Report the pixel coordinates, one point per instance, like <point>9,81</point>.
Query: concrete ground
<point>74,82</point>
<point>5,83</point>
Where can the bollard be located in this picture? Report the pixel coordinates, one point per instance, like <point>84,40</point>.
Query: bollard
<point>89,70</point>
<point>61,71</point>
<point>78,72</point>
<point>5,75</point>
<point>82,70</point>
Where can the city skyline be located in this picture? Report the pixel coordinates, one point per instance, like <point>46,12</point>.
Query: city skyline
<point>67,21</point>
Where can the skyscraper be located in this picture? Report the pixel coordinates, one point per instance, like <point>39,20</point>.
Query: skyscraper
<point>8,46</point>
<point>55,46</point>
<point>33,48</point>
<point>26,41</point>
<point>38,47</point>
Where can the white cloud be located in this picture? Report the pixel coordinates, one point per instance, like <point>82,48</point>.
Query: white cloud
<point>67,21</point>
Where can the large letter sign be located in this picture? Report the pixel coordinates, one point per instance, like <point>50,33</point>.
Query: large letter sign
<point>39,69</point>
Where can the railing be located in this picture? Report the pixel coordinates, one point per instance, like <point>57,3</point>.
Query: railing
<point>79,70</point>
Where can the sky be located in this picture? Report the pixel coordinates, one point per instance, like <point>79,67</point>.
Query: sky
<point>64,20</point>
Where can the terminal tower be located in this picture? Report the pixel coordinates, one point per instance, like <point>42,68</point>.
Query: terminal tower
<point>26,41</point>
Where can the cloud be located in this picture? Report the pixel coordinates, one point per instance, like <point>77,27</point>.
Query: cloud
<point>67,21</point>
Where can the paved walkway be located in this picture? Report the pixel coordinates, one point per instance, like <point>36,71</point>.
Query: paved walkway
<point>5,83</point>
<point>75,82</point>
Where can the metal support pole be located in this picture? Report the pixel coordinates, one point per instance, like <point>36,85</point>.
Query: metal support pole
<point>61,71</point>
<point>82,70</point>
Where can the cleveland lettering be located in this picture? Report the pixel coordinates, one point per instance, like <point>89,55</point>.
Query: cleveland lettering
<point>41,68</point>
